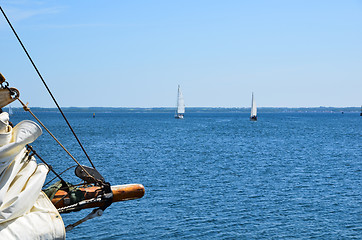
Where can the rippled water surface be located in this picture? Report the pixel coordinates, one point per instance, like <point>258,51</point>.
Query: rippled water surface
<point>219,176</point>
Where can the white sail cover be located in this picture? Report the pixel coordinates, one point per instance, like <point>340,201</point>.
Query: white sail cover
<point>253,106</point>
<point>25,211</point>
<point>180,102</point>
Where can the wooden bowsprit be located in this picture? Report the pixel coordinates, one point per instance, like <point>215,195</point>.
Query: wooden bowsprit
<point>92,197</point>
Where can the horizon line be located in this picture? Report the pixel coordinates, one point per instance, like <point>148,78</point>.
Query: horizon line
<point>188,107</point>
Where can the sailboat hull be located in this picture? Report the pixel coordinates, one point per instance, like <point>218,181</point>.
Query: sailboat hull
<point>253,118</point>
<point>179,116</point>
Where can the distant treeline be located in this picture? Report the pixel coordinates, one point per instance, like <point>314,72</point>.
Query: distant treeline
<point>190,109</point>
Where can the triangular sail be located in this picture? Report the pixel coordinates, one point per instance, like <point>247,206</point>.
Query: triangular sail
<point>253,106</point>
<point>180,102</point>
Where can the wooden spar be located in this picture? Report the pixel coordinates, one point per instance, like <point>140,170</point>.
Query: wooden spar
<point>120,193</point>
<point>5,96</point>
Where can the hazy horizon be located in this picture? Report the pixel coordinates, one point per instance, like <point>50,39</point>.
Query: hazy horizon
<point>205,107</point>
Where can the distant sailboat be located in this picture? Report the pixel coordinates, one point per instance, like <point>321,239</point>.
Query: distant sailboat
<point>361,111</point>
<point>253,116</point>
<point>10,111</point>
<point>180,111</point>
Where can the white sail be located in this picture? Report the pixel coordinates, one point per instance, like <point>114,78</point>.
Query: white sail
<point>253,106</point>
<point>180,102</point>
<point>10,111</point>
<point>25,211</point>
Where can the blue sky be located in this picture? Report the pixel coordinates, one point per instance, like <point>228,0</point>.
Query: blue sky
<point>134,53</point>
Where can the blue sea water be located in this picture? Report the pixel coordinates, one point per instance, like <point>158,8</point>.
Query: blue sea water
<point>218,175</point>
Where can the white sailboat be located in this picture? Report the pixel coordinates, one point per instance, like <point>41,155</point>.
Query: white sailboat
<point>10,111</point>
<point>180,111</point>
<point>253,116</point>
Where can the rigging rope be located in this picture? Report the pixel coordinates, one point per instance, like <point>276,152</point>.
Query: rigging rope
<point>32,152</point>
<point>26,108</point>
<point>46,86</point>
<point>51,180</point>
<point>107,195</point>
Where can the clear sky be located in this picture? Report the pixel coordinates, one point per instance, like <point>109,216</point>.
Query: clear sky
<point>303,53</point>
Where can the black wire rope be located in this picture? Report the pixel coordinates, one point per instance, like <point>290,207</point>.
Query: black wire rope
<point>46,86</point>
<point>56,175</point>
<point>33,152</point>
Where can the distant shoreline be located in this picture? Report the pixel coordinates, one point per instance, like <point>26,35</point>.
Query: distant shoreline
<point>193,109</point>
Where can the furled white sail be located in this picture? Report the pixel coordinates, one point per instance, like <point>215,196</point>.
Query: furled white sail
<point>253,106</point>
<point>180,102</point>
<point>25,211</point>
